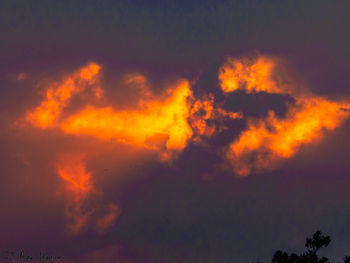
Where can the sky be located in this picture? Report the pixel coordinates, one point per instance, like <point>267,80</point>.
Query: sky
<point>173,131</point>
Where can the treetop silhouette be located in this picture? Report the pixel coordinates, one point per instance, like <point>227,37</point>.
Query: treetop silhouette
<point>313,246</point>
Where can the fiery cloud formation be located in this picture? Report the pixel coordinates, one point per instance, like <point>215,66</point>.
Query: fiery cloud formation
<point>82,195</point>
<point>164,123</point>
<point>155,122</point>
<point>204,111</point>
<point>59,95</point>
<point>252,75</point>
<point>71,168</point>
<point>267,140</point>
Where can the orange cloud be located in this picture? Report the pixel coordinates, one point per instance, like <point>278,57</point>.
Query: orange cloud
<point>59,94</point>
<point>165,123</point>
<point>268,140</point>
<point>82,195</point>
<point>78,186</point>
<point>140,81</point>
<point>156,123</point>
<point>153,124</point>
<point>109,219</point>
<point>251,75</point>
<point>204,111</point>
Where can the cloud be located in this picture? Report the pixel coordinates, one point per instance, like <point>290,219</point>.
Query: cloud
<point>78,186</point>
<point>105,222</point>
<point>156,124</point>
<point>267,141</point>
<point>59,95</point>
<point>159,126</point>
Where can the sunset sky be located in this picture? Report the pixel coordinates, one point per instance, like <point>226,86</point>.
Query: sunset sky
<point>173,131</point>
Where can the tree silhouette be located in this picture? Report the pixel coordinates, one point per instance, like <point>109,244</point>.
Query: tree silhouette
<point>313,245</point>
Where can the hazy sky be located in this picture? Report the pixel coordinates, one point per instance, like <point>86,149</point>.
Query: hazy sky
<point>175,195</point>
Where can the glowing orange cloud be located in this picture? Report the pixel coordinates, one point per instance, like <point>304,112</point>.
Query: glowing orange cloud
<point>203,110</point>
<point>59,94</point>
<point>156,120</point>
<point>71,169</point>
<point>82,195</point>
<point>165,123</point>
<point>271,139</point>
<point>157,123</point>
<point>252,75</point>
<point>267,140</point>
